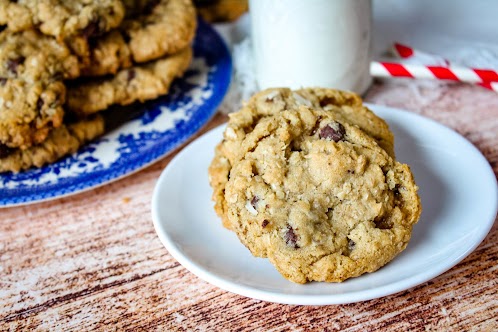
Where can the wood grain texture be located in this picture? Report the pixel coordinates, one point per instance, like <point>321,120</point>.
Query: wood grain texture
<point>93,261</point>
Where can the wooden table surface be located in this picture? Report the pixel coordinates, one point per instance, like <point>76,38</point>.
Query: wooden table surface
<point>93,261</point>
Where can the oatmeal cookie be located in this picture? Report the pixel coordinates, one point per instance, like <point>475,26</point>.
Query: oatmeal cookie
<point>60,142</point>
<point>62,18</point>
<point>345,105</point>
<point>32,92</point>
<point>29,111</point>
<point>319,198</point>
<point>164,27</point>
<point>139,83</point>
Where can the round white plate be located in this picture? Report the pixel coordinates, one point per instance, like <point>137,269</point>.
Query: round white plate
<point>459,197</point>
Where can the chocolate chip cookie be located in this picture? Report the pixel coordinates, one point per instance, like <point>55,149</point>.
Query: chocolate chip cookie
<point>319,197</point>
<point>62,18</point>
<point>32,92</point>
<point>345,105</point>
<point>163,27</point>
<point>139,83</point>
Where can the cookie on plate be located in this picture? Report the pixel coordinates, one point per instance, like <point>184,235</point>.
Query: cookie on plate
<point>139,83</point>
<point>162,28</point>
<point>32,92</point>
<point>346,105</point>
<point>62,19</point>
<point>319,198</point>
<point>64,140</point>
<point>67,138</point>
<point>267,103</point>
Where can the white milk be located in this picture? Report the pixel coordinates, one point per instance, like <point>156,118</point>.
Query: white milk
<point>304,43</point>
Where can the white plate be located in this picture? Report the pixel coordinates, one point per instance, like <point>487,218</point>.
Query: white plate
<point>459,197</point>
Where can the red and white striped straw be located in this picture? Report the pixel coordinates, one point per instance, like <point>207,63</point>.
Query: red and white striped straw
<point>407,52</point>
<point>484,77</point>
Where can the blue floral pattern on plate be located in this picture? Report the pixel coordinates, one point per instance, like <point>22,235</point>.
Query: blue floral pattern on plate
<point>165,124</point>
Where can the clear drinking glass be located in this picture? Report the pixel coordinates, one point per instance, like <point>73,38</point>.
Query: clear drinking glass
<point>306,43</point>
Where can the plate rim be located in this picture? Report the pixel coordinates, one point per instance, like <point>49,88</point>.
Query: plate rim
<point>321,299</point>
<point>12,199</point>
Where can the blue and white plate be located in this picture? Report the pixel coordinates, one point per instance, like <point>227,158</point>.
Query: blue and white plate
<point>166,123</point>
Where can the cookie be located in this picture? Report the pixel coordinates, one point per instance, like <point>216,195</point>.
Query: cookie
<point>62,19</point>
<point>68,138</point>
<point>319,198</point>
<point>139,83</point>
<point>221,10</point>
<point>106,55</point>
<point>32,55</point>
<point>32,92</point>
<point>60,142</point>
<point>345,105</point>
<point>29,111</point>
<point>164,27</point>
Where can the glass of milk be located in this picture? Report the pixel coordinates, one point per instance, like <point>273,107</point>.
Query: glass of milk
<point>312,43</point>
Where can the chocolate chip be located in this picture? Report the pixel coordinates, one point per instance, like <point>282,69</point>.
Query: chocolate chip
<point>12,64</point>
<point>3,80</point>
<point>131,74</point>
<point>333,131</point>
<point>265,223</point>
<point>327,101</point>
<point>382,223</point>
<point>39,104</point>
<point>254,201</point>
<point>2,27</point>
<point>269,100</point>
<point>291,238</point>
<point>5,150</point>
<point>351,244</point>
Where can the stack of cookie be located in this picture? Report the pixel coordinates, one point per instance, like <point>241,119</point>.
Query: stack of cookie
<point>64,62</point>
<point>309,180</point>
